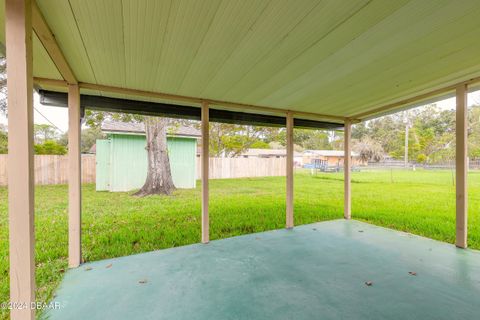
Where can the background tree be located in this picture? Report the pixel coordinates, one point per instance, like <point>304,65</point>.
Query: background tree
<point>260,145</point>
<point>3,84</point>
<point>431,135</point>
<point>50,147</point>
<point>47,140</point>
<point>3,103</point>
<point>231,140</point>
<point>474,133</point>
<point>368,149</point>
<point>44,132</point>
<point>88,138</point>
<point>159,177</point>
<point>3,140</point>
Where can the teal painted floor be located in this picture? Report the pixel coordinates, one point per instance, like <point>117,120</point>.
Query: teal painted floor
<point>315,271</point>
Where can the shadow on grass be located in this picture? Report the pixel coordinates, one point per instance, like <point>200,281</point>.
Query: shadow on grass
<point>332,178</point>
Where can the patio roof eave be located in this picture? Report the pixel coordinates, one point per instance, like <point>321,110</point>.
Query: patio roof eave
<point>181,111</point>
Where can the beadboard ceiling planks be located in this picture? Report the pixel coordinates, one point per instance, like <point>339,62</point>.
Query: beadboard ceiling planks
<point>332,57</point>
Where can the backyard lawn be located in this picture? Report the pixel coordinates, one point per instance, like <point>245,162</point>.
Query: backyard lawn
<point>117,224</point>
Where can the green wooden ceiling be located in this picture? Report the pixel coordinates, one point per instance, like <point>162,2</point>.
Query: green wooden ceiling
<point>337,57</point>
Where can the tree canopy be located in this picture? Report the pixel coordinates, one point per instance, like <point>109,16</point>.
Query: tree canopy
<point>431,134</point>
<point>50,147</point>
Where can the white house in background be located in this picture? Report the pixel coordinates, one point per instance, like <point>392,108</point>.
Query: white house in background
<point>333,157</point>
<point>266,153</point>
<point>272,153</point>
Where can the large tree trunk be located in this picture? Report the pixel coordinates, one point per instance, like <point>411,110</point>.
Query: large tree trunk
<point>159,176</point>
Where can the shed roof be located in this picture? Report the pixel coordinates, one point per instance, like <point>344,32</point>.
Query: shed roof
<point>139,128</point>
<point>329,58</point>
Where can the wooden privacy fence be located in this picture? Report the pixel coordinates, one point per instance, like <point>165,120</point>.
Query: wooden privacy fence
<point>53,169</point>
<point>226,168</point>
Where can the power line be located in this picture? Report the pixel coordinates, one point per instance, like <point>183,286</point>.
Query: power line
<point>53,124</point>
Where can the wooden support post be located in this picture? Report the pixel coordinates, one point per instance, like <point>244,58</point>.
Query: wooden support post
<point>18,17</point>
<point>205,160</point>
<point>347,169</point>
<point>74,178</point>
<point>461,166</point>
<point>289,213</point>
<point>405,156</point>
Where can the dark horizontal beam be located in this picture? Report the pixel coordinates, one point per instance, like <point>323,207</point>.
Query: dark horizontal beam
<point>60,99</point>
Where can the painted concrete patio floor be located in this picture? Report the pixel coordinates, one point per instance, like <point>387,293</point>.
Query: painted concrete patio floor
<point>315,271</point>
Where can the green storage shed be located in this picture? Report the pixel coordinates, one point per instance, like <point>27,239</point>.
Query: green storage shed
<point>121,159</point>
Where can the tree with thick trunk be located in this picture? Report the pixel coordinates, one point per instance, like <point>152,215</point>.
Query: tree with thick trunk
<point>159,177</point>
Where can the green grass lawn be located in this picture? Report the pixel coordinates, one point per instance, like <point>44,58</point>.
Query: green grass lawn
<point>117,224</point>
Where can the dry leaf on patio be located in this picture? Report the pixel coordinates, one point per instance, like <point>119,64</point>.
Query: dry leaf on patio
<point>109,266</point>
<point>369,283</point>
<point>88,268</point>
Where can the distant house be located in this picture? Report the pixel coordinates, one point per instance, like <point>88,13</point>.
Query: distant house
<point>266,153</point>
<point>332,157</point>
<point>121,161</point>
<point>272,153</point>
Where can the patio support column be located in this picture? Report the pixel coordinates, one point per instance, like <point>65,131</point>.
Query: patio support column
<point>74,178</point>
<point>461,166</point>
<point>18,17</point>
<point>205,161</point>
<point>347,169</point>
<point>289,214</point>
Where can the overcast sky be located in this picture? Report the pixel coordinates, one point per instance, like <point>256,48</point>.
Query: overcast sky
<point>59,116</point>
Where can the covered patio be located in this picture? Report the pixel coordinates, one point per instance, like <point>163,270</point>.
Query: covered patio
<point>312,271</point>
<point>307,64</point>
